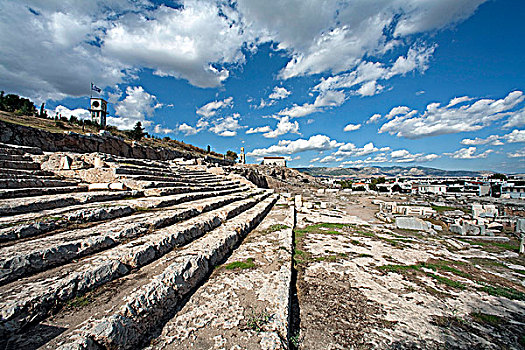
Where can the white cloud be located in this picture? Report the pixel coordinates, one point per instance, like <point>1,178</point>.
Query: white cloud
<point>352,127</point>
<point>279,93</point>
<point>404,156</point>
<point>161,130</point>
<point>437,120</point>
<point>314,143</point>
<point>80,113</point>
<point>325,99</point>
<point>259,129</point>
<point>135,107</point>
<point>468,153</point>
<point>517,154</point>
<point>515,136</point>
<point>399,110</point>
<point>284,126</point>
<point>458,100</point>
<point>192,42</point>
<point>187,129</point>
<point>227,126</point>
<point>201,41</point>
<point>492,139</point>
<point>516,119</point>
<point>211,108</point>
<point>369,89</point>
<point>374,118</point>
<point>366,74</point>
<point>351,150</point>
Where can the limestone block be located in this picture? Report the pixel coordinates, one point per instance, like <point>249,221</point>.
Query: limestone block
<point>520,225</point>
<point>98,186</point>
<point>65,163</point>
<point>298,201</point>
<point>117,186</point>
<point>412,223</point>
<point>455,228</point>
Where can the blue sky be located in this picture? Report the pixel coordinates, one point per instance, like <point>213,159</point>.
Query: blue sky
<point>323,83</point>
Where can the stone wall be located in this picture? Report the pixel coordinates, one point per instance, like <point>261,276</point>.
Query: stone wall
<point>73,142</point>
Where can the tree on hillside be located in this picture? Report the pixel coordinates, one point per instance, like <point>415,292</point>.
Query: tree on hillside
<point>232,155</point>
<point>138,132</point>
<point>17,104</point>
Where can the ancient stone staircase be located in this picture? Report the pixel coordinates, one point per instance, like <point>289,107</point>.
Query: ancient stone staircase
<point>131,258</point>
<point>20,175</point>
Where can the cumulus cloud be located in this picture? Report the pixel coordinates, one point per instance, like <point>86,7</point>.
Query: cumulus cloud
<point>367,74</point>
<point>202,41</point>
<point>516,119</point>
<point>63,111</point>
<point>468,153</point>
<point>352,127</point>
<point>135,107</point>
<point>314,143</point>
<point>517,154</point>
<point>259,129</point>
<point>279,93</point>
<point>324,100</point>
<point>350,150</point>
<point>404,156</point>
<point>497,140</point>
<point>187,130</point>
<point>159,129</point>
<point>439,120</point>
<point>210,109</point>
<point>492,139</point>
<point>284,126</point>
<point>226,126</point>
<point>515,136</point>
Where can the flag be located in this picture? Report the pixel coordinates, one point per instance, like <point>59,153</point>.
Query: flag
<point>96,88</point>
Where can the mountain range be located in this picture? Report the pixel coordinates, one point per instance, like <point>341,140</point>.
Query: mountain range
<point>389,171</point>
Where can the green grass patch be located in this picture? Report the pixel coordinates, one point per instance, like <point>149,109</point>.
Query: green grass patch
<point>447,281</point>
<point>417,267</point>
<point>241,265</point>
<point>257,320</point>
<point>509,293</point>
<point>512,246</point>
<point>276,227</point>
<point>366,234</point>
<point>440,208</point>
<point>492,320</point>
<point>364,255</point>
<point>79,302</point>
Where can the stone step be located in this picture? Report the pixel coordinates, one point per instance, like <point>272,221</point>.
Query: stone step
<point>129,170</point>
<point>34,298</point>
<point>140,162</point>
<point>165,191</point>
<point>17,149</point>
<point>139,202</point>
<point>33,192</point>
<point>17,157</point>
<point>35,183</point>
<point>14,172</point>
<point>223,307</point>
<point>29,225</point>
<point>39,254</point>
<point>22,164</point>
<point>144,308</point>
<point>22,205</point>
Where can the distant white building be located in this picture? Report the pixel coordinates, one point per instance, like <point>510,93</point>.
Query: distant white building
<point>432,188</point>
<point>274,161</point>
